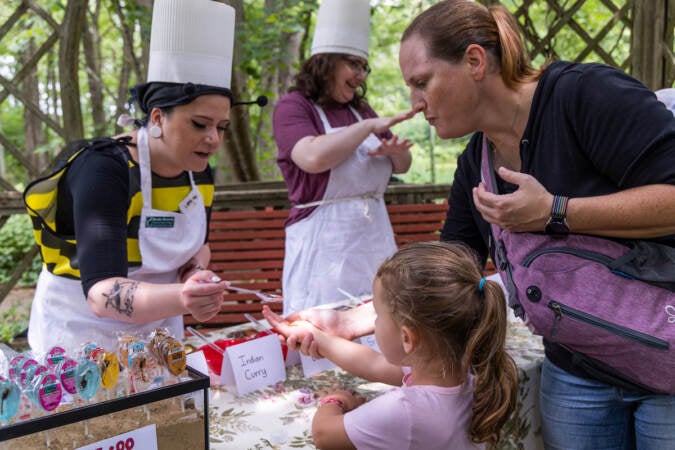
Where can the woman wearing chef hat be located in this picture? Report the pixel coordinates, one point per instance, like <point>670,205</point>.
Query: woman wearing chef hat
<point>122,225</point>
<point>336,157</point>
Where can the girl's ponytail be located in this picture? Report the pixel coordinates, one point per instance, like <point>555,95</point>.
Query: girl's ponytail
<point>495,372</point>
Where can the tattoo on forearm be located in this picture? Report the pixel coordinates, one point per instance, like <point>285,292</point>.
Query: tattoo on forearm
<point>121,297</point>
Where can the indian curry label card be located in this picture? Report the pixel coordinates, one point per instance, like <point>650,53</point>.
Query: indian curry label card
<point>254,364</point>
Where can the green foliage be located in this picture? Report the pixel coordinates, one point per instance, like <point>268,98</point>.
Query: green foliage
<point>17,240</point>
<point>259,35</point>
<point>434,159</point>
<point>12,322</point>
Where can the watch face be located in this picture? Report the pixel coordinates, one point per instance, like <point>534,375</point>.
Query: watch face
<point>557,226</point>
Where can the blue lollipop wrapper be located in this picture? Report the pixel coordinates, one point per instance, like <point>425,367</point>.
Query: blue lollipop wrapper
<point>87,379</point>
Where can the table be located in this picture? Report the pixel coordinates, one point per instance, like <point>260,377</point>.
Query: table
<point>280,416</point>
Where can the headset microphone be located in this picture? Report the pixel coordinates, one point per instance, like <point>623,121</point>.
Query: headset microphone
<point>260,101</point>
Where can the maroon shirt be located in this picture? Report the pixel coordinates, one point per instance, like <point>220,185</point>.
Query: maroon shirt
<point>294,118</point>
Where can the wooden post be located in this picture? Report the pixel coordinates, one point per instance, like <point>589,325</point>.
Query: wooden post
<point>652,42</point>
<point>71,32</point>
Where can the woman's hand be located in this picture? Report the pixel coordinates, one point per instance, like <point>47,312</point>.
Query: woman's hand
<point>392,147</point>
<point>382,124</point>
<point>526,209</point>
<point>345,324</point>
<point>316,154</point>
<point>202,295</point>
<point>188,269</point>
<point>398,152</point>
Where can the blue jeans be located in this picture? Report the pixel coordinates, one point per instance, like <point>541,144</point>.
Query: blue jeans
<point>577,413</point>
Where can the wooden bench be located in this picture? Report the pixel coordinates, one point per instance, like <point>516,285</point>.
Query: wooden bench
<point>247,249</point>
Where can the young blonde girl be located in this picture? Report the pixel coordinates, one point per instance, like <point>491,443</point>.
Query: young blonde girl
<point>441,329</point>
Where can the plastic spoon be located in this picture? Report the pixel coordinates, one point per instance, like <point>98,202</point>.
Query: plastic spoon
<point>205,340</point>
<point>255,321</point>
<point>350,296</point>
<point>260,295</point>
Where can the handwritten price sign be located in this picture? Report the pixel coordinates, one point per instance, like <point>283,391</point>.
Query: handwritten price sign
<point>140,439</point>
<point>121,445</point>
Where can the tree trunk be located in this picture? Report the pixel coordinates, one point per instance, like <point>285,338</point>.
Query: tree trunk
<point>276,79</point>
<point>92,56</point>
<point>71,33</point>
<point>34,135</point>
<point>131,63</point>
<point>238,142</point>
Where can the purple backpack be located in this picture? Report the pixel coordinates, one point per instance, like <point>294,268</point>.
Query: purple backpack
<point>611,305</point>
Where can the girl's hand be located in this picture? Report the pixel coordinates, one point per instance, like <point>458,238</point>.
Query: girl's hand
<point>296,335</point>
<point>348,398</point>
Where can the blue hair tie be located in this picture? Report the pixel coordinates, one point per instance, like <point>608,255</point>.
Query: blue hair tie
<point>481,284</point>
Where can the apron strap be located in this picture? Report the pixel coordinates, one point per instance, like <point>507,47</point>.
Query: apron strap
<point>146,170</point>
<point>366,196</point>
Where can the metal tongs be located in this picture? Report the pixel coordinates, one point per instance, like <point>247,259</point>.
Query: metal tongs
<point>260,295</point>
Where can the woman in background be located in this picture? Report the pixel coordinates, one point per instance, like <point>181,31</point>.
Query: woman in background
<point>336,157</point>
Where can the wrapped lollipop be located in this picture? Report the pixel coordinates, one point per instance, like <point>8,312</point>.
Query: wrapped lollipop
<point>124,343</point>
<point>106,362</point>
<point>15,365</point>
<point>109,366</point>
<point>87,379</point>
<point>10,396</point>
<point>92,351</point>
<point>45,390</point>
<point>65,372</point>
<point>54,357</point>
<point>28,369</point>
<point>168,351</point>
<point>143,367</point>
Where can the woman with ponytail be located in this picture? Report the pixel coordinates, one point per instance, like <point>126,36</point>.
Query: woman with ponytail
<point>579,148</point>
<point>441,330</point>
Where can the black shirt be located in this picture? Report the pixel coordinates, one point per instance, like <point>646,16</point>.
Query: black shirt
<point>94,207</point>
<point>592,130</point>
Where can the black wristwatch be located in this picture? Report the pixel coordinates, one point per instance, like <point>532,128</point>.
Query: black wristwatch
<point>557,223</point>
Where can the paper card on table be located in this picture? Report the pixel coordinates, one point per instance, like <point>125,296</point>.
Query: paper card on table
<point>369,341</point>
<point>292,357</point>
<point>311,366</point>
<point>254,364</point>
<point>197,361</point>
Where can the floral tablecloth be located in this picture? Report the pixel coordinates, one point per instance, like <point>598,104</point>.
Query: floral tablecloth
<point>280,416</point>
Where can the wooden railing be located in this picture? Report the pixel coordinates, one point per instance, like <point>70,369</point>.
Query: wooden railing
<point>242,196</point>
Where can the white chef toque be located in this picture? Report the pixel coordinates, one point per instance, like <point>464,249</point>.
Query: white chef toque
<point>191,41</point>
<point>342,26</point>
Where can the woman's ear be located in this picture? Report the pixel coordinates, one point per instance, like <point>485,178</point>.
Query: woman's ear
<point>477,59</point>
<point>409,339</point>
<point>155,117</point>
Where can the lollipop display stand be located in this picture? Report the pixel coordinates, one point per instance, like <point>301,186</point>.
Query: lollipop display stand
<point>177,414</point>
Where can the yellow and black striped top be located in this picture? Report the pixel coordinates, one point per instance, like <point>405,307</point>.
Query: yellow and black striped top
<point>86,213</point>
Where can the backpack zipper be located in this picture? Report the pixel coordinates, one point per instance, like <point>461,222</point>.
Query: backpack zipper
<point>585,254</point>
<point>561,310</point>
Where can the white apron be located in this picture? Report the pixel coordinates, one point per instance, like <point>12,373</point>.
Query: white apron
<point>167,240</point>
<point>344,240</point>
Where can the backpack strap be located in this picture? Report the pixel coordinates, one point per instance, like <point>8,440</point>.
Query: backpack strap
<point>487,173</point>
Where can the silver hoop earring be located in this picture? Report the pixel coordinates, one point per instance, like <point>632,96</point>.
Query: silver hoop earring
<point>155,131</point>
